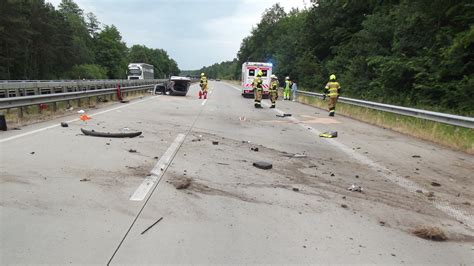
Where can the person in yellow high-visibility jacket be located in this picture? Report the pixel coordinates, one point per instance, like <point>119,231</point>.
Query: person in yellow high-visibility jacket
<point>203,85</point>
<point>332,91</point>
<point>257,85</point>
<point>287,88</point>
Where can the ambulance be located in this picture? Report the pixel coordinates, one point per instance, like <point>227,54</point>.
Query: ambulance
<point>249,72</point>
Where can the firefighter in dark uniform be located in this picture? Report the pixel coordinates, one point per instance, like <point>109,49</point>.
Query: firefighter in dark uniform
<point>257,85</point>
<point>332,91</point>
<point>273,90</point>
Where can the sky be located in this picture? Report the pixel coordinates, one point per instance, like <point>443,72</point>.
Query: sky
<point>195,33</point>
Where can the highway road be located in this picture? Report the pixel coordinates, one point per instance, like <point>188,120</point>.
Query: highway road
<point>300,211</point>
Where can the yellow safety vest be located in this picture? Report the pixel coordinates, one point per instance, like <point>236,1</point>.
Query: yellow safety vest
<point>287,84</point>
<point>333,88</point>
<point>274,86</point>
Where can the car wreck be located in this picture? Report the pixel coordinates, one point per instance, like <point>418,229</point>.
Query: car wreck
<point>174,86</point>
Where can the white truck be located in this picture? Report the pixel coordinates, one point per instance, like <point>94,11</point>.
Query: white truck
<point>249,72</point>
<point>140,71</point>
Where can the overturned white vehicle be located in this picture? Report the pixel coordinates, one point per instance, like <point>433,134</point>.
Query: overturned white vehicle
<point>174,86</point>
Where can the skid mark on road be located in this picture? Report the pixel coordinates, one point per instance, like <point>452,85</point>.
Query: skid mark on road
<point>409,185</point>
<point>159,169</point>
<point>72,120</point>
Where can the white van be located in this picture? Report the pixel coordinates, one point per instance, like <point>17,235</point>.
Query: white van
<point>249,72</point>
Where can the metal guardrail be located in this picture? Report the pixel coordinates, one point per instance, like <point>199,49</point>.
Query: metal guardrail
<point>10,89</point>
<point>16,102</point>
<point>455,120</point>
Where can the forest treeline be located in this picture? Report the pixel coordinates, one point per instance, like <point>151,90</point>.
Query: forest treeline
<point>417,53</point>
<point>39,41</point>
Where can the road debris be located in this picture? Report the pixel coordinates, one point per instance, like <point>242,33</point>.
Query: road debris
<point>355,188</point>
<point>85,117</point>
<point>81,111</point>
<point>85,180</point>
<point>32,152</point>
<point>467,203</point>
<point>430,232</point>
<point>132,151</point>
<point>419,191</point>
<point>64,124</point>
<point>263,165</point>
<point>344,206</point>
<point>416,156</point>
<point>296,189</point>
<point>149,227</point>
<point>254,149</point>
<point>223,163</point>
<point>382,223</point>
<point>329,134</point>
<point>110,135</point>
<point>283,115</point>
<point>215,143</point>
<point>182,183</point>
<point>242,118</point>
<point>430,194</point>
<point>435,184</point>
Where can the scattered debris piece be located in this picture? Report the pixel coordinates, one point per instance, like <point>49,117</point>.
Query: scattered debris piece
<point>156,157</point>
<point>355,188</point>
<point>430,232</point>
<point>333,174</point>
<point>343,197</point>
<point>435,184</point>
<point>215,143</point>
<point>382,223</point>
<point>182,183</point>
<point>296,189</point>
<point>85,117</point>
<point>81,111</point>
<point>430,194</point>
<point>242,118</point>
<point>110,135</point>
<point>223,163</point>
<point>416,156</point>
<point>64,124</point>
<point>467,203</point>
<point>254,149</point>
<point>344,206</point>
<point>85,180</point>
<point>329,134</point>
<point>107,143</point>
<point>124,101</point>
<point>132,151</point>
<point>152,225</point>
<point>419,191</point>
<point>263,165</point>
<point>16,128</point>
<point>356,176</point>
<point>70,108</point>
<point>286,115</point>
<point>32,152</point>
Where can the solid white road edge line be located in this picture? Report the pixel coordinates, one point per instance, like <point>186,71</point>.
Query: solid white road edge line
<point>72,120</point>
<point>158,170</point>
<point>409,185</point>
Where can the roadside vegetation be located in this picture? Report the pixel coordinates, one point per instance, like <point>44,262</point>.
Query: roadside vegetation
<point>39,42</point>
<point>410,53</point>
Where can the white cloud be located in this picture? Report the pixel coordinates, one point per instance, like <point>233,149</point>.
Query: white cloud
<point>195,33</point>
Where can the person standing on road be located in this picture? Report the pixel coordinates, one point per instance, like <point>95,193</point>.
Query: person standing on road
<point>257,85</point>
<point>286,89</point>
<point>294,88</point>
<point>203,85</point>
<point>273,90</point>
<point>332,90</point>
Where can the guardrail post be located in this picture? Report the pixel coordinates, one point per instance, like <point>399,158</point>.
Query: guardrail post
<point>55,106</point>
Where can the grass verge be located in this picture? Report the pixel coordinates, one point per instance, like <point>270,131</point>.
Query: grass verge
<point>458,138</point>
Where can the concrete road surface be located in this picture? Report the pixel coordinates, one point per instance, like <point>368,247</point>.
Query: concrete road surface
<point>66,198</point>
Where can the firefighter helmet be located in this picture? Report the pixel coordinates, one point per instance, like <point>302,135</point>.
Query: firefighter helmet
<point>202,74</point>
<point>332,77</point>
<point>273,76</point>
<point>287,78</point>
